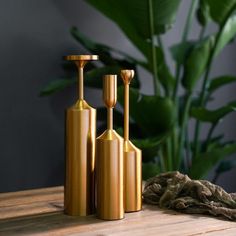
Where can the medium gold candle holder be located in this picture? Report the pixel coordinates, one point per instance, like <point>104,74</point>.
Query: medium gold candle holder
<point>132,157</point>
<point>109,160</point>
<point>80,149</point>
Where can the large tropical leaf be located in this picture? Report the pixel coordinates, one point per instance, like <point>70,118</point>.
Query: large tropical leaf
<point>225,165</point>
<point>180,51</point>
<point>147,143</point>
<point>204,162</point>
<point>134,18</point>
<point>203,13</point>
<point>149,170</point>
<point>212,116</point>
<point>118,116</point>
<point>198,59</point>
<point>219,10</point>
<point>226,34</point>
<point>164,75</point>
<point>56,86</point>
<point>218,82</point>
<point>153,114</point>
<point>102,50</point>
<point>195,63</point>
<point>93,79</point>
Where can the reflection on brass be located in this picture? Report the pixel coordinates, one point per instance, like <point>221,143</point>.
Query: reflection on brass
<point>132,157</point>
<point>109,160</point>
<point>80,149</point>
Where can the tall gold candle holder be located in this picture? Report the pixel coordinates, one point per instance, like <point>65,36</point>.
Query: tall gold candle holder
<point>109,160</point>
<point>80,149</point>
<point>132,157</point>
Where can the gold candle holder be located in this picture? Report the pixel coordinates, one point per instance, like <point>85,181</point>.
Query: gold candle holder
<point>132,157</point>
<point>80,149</point>
<point>109,160</point>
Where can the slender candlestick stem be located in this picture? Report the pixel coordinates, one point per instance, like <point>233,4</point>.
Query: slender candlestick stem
<point>126,112</point>
<point>109,118</point>
<point>81,83</point>
<point>127,76</point>
<point>81,61</point>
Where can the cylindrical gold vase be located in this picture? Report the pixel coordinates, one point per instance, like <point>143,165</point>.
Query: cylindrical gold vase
<point>132,157</point>
<point>132,177</point>
<point>79,199</point>
<point>109,162</point>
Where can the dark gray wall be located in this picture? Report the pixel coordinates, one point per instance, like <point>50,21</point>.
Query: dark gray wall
<point>34,37</point>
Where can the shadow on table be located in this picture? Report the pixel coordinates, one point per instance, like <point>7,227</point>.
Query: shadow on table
<point>172,212</point>
<point>45,223</point>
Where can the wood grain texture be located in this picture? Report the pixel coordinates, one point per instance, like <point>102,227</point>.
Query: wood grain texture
<point>40,212</point>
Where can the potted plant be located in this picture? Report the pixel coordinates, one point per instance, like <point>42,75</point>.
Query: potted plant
<point>159,122</point>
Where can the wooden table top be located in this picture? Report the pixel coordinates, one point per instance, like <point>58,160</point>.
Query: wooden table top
<point>40,212</point>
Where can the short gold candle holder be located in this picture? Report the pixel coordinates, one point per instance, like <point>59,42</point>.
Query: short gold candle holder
<point>132,157</point>
<point>80,138</point>
<point>109,160</point>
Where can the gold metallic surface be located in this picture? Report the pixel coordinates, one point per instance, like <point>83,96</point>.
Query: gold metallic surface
<point>132,157</point>
<point>110,90</point>
<point>109,161</point>
<point>81,57</point>
<point>80,137</point>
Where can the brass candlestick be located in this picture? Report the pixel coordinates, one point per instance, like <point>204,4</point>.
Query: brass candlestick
<point>80,149</point>
<point>109,160</point>
<point>132,157</point>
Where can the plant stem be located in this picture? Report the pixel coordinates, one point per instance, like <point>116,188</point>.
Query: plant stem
<point>210,134</point>
<point>184,38</point>
<point>215,178</point>
<point>162,161</point>
<point>154,54</point>
<point>183,127</point>
<point>177,83</point>
<point>168,141</point>
<point>188,150</point>
<point>202,98</point>
<point>206,77</point>
<point>169,154</point>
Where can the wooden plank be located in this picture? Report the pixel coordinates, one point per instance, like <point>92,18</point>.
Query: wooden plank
<point>29,196</point>
<point>42,214</point>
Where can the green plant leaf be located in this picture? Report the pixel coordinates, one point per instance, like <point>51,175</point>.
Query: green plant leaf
<point>212,116</point>
<point>213,143</point>
<point>197,58</point>
<point>56,86</point>
<point>165,77</point>
<point>147,143</point>
<point>220,9</point>
<point>204,162</point>
<point>195,63</point>
<point>180,51</point>
<point>227,34</point>
<point>118,116</point>
<point>133,18</point>
<point>153,114</point>
<point>203,13</point>
<point>102,50</point>
<point>149,170</point>
<point>134,14</point>
<point>218,82</point>
<point>225,165</point>
<point>93,79</point>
